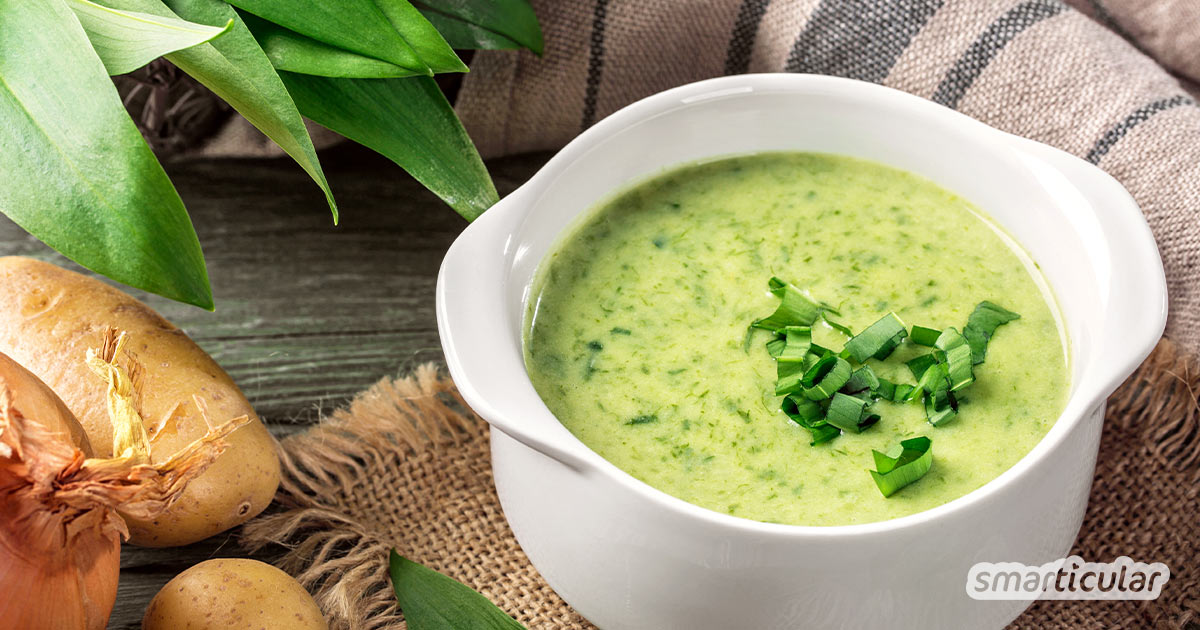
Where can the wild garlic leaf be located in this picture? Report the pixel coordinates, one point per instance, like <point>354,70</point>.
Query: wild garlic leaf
<point>291,51</point>
<point>902,465</point>
<point>128,40</point>
<point>77,174</point>
<point>390,30</point>
<point>423,36</point>
<point>410,122</point>
<point>432,601</point>
<point>237,70</point>
<point>485,24</point>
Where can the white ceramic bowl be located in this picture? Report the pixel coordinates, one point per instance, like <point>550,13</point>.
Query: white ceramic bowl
<point>628,556</point>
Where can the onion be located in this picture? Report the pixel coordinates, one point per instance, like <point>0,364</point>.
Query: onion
<point>60,533</point>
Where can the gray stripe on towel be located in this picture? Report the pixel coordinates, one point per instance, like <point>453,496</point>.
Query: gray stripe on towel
<point>998,34</point>
<point>745,32</point>
<point>860,39</point>
<point>1139,116</point>
<point>595,69</point>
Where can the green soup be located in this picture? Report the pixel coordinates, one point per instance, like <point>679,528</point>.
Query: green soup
<point>635,338</point>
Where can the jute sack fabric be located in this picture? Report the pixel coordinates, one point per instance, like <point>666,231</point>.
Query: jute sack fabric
<point>405,465</point>
<point>1036,68</point>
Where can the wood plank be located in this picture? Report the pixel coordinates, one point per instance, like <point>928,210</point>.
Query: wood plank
<point>307,313</point>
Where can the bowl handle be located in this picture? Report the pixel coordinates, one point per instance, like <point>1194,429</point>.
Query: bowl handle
<point>481,338</point>
<point>1135,298</point>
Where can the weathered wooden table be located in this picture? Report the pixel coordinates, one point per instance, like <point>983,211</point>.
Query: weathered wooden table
<point>308,314</point>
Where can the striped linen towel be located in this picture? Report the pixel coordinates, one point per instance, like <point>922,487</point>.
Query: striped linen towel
<point>1107,80</point>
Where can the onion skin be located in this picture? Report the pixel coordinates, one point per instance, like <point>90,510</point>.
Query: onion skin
<point>60,531</point>
<point>47,307</point>
<point>69,590</point>
<point>74,590</point>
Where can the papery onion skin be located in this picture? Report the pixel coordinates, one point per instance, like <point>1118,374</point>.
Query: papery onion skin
<point>60,531</point>
<point>58,590</point>
<point>58,564</point>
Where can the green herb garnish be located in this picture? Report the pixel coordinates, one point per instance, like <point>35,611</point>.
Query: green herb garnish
<point>895,392</point>
<point>849,413</point>
<point>797,341</point>
<point>878,340</point>
<point>959,366</point>
<point>826,394</point>
<point>789,378</point>
<point>645,419</point>
<point>794,308</point>
<point>982,324</point>
<point>920,364</point>
<point>862,379</point>
<point>923,336</point>
<point>902,465</point>
<point>825,311</point>
<point>811,416</point>
<point>825,377</point>
<point>940,405</point>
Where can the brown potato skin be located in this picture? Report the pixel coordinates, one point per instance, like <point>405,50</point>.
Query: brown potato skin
<point>233,594</point>
<point>49,319</point>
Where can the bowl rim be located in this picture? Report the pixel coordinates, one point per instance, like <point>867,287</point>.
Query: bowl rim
<point>510,213</point>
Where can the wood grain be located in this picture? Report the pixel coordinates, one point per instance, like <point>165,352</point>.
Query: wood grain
<point>307,314</point>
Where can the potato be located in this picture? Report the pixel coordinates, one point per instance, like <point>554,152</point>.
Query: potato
<point>49,319</point>
<point>233,594</point>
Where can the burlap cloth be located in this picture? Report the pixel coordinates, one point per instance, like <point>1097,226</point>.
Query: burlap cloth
<point>406,465</point>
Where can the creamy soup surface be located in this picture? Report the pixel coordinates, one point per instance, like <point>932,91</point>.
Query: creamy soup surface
<point>636,335</point>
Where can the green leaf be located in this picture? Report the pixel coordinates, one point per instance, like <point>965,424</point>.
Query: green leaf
<point>863,378</point>
<point>422,36</point>
<point>849,413</point>
<point>788,377</point>
<point>918,364</point>
<point>128,40</point>
<point>923,336</point>
<point>878,340</point>
<point>408,121</point>
<point>466,36</point>
<point>934,378</point>
<point>845,330</point>
<point>391,30</point>
<point>895,392</point>
<point>237,70</point>
<point>485,24</point>
<point>796,342</point>
<point>982,324</point>
<point>432,601</point>
<point>811,416</point>
<point>291,51</point>
<point>940,405</point>
<point>958,358</point>
<point>77,174</point>
<point>902,464</point>
<point>825,377</point>
<point>794,308</point>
